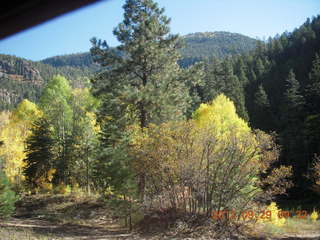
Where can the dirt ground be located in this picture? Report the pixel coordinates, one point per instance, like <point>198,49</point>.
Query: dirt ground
<point>72,218</point>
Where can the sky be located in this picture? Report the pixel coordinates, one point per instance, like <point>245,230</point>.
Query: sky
<point>71,33</point>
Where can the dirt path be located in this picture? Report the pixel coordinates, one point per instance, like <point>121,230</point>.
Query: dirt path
<point>19,228</point>
<point>38,227</point>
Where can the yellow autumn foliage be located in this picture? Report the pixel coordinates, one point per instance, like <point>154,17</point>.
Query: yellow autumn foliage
<point>314,216</point>
<point>220,117</point>
<point>14,134</point>
<point>275,218</point>
<point>215,154</point>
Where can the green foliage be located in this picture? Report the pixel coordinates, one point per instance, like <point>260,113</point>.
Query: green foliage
<point>212,162</point>
<point>24,79</point>
<point>142,83</point>
<point>7,196</point>
<point>61,147</point>
<point>39,154</point>
<point>293,98</point>
<point>282,95</point>
<point>210,45</point>
<point>220,78</point>
<point>72,60</point>
<point>148,71</point>
<point>313,87</point>
<point>55,103</point>
<point>84,137</point>
<point>262,110</point>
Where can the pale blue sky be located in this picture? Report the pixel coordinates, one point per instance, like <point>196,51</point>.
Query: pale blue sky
<point>71,33</point>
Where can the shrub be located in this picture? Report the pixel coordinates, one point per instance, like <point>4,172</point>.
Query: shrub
<point>62,189</point>
<point>7,197</point>
<point>214,162</point>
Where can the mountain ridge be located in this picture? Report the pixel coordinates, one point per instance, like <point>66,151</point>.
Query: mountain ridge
<point>22,78</point>
<point>198,46</point>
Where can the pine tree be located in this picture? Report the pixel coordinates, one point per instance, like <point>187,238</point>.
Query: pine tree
<point>293,102</point>
<point>292,122</point>
<point>312,121</point>
<point>146,64</point>
<point>234,89</point>
<point>259,67</point>
<point>240,71</point>
<point>7,195</point>
<point>313,88</point>
<point>262,110</point>
<point>142,82</point>
<point>39,153</point>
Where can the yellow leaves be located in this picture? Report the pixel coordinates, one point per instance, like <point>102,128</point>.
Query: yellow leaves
<point>216,148</point>
<point>219,119</point>
<point>220,116</point>
<point>156,148</point>
<point>275,218</point>
<point>26,112</point>
<point>14,133</point>
<point>44,183</point>
<point>314,215</point>
<point>13,150</point>
<point>50,174</point>
<point>275,212</point>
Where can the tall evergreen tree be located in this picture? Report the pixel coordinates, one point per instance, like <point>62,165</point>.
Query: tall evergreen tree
<point>292,123</point>
<point>313,88</point>
<point>312,121</point>
<point>39,153</point>
<point>7,196</point>
<point>142,82</point>
<point>293,103</point>
<point>262,109</point>
<point>146,64</point>
<point>234,89</point>
<point>220,78</point>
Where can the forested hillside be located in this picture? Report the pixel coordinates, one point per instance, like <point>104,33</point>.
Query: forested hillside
<point>210,45</point>
<point>197,47</point>
<point>73,60</point>
<point>282,94</point>
<point>276,87</point>
<point>210,134</point>
<point>21,78</point>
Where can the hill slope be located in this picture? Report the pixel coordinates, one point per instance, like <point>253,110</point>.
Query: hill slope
<point>196,46</point>
<point>21,78</point>
<point>214,45</point>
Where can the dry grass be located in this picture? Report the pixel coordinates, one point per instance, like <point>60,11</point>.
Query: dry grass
<point>293,228</point>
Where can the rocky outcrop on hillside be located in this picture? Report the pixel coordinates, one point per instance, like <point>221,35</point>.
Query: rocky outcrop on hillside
<point>8,97</point>
<point>19,69</point>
